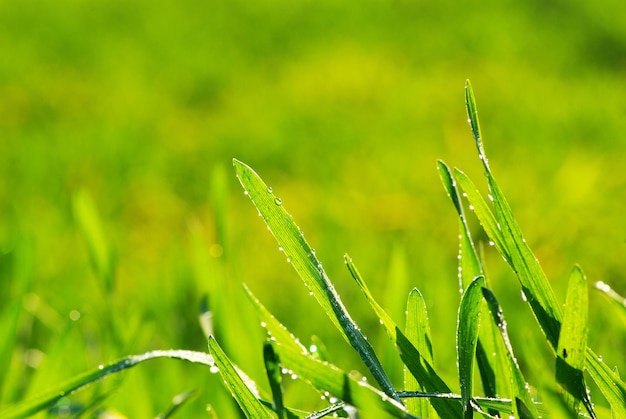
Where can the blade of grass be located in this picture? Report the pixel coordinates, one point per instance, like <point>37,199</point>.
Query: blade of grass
<point>240,391</point>
<point>99,251</point>
<point>523,406</point>
<point>417,330</point>
<point>302,258</point>
<point>177,402</point>
<point>491,363</point>
<point>467,339</point>
<point>37,404</point>
<point>274,376</point>
<point>412,358</point>
<point>570,360</point>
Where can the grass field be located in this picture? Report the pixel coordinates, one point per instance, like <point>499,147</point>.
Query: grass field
<point>344,110</point>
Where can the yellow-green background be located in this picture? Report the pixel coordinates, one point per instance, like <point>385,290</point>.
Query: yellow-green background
<point>344,109</point>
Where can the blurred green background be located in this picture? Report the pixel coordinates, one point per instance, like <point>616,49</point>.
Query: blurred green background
<point>342,108</point>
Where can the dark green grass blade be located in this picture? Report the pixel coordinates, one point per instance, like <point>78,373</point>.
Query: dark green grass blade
<point>467,339</point>
<point>246,400</point>
<point>570,360</point>
<point>30,407</point>
<point>417,330</point>
<point>523,406</point>
<point>177,402</point>
<point>506,234</point>
<point>274,376</point>
<point>302,258</point>
<point>421,369</point>
<point>370,402</point>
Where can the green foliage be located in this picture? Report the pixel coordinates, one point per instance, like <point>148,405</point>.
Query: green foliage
<point>482,335</point>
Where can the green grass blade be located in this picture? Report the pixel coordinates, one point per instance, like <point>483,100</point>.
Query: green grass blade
<point>273,327</point>
<point>370,402</point>
<point>238,388</point>
<point>274,376</point>
<point>421,369</point>
<point>417,330</point>
<point>302,257</point>
<point>616,300</point>
<point>570,360</point>
<point>30,407</point>
<point>177,402</point>
<point>100,252</point>
<point>523,406</point>
<point>491,363</point>
<point>467,339</point>
<point>469,264</point>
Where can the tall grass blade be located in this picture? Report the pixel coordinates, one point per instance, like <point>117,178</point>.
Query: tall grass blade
<point>469,264</point>
<point>507,237</point>
<point>48,399</point>
<point>523,405</point>
<point>417,330</point>
<point>274,376</point>
<point>570,360</point>
<point>238,388</point>
<point>302,257</point>
<point>91,227</point>
<point>177,402</point>
<point>491,363</point>
<point>417,364</point>
<point>467,339</point>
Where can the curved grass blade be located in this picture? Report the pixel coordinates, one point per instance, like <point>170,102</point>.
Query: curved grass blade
<point>502,405</point>
<point>343,386</point>
<point>412,358</point>
<point>570,360</point>
<point>240,391</point>
<point>467,339</point>
<point>417,330</point>
<point>30,407</point>
<point>274,376</point>
<point>177,402</point>
<point>523,406</point>
<point>302,258</point>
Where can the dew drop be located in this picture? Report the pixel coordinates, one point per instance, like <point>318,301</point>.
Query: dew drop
<point>263,324</point>
<point>471,207</point>
<point>280,249</point>
<point>294,376</point>
<point>269,189</point>
<point>245,193</point>
<point>524,296</point>
<point>333,400</point>
<point>600,358</point>
<point>214,369</point>
<point>491,243</point>
<point>278,201</point>
<point>288,259</point>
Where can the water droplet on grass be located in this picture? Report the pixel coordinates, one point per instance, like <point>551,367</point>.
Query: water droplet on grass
<point>278,201</point>
<point>269,189</point>
<point>100,367</point>
<point>246,193</point>
<point>214,369</point>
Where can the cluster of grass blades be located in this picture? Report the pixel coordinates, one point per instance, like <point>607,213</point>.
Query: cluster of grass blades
<point>482,339</point>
